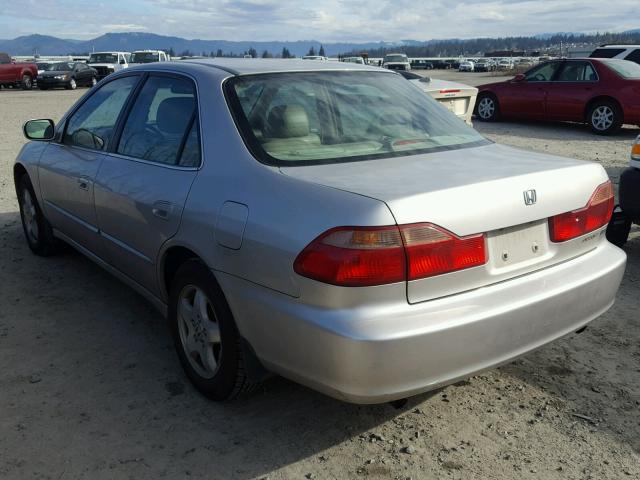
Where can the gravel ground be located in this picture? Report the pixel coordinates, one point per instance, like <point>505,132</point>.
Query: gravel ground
<point>90,387</point>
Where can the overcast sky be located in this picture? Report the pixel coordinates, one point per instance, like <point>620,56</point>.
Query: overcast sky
<point>323,20</point>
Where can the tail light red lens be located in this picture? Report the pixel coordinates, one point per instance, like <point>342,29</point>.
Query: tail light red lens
<point>366,256</point>
<point>596,214</point>
<point>432,250</point>
<point>354,257</point>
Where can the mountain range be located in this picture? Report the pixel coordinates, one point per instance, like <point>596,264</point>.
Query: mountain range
<point>130,41</point>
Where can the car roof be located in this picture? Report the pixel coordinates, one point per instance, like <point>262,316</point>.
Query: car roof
<point>246,66</point>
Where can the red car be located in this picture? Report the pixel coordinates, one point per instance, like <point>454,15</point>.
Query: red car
<point>605,93</point>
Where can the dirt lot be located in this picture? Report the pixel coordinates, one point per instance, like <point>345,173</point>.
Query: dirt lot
<point>90,387</point>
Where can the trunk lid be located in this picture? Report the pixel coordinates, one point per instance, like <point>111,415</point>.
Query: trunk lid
<point>470,191</point>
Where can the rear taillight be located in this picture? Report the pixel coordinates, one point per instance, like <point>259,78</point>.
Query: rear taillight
<point>432,250</point>
<point>366,256</point>
<point>635,150</point>
<point>596,214</point>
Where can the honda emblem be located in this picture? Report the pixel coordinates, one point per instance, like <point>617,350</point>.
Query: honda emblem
<point>530,197</point>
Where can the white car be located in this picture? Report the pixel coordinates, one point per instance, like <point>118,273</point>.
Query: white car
<point>505,64</point>
<point>466,66</point>
<point>623,52</point>
<point>456,97</point>
<point>106,63</point>
<point>148,56</point>
<point>396,61</point>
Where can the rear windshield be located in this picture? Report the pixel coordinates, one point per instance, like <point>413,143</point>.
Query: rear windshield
<point>326,117</point>
<point>395,58</point>
<point>624,68</point>
<point>144,57</point>
<point>103,58</point>
<point>606,52</point>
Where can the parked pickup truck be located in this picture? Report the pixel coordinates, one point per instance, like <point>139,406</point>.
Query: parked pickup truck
<point>17,74</point>
<point>106,63</point>
<point>148,56</point>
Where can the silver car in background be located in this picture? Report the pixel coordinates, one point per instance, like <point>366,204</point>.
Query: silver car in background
<point>325,221</point>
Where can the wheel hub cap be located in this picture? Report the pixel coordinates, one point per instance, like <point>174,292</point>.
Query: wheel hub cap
<point>602,118</point>
<point>29,216</point>
<point>199,331</point>
<point>486,108</point>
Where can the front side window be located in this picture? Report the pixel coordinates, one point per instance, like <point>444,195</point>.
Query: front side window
<point>160,127</point>
<point>573,71</point>
<point>542,73</point>
<point>324,117</point>
<point>93,124</point>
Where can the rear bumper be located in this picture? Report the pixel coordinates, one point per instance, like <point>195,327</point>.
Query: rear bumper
<point>366,355</point>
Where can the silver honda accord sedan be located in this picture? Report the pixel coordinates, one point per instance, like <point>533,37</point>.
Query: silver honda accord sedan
<point>327,222</point>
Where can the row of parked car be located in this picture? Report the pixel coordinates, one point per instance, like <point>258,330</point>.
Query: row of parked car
<point>72,74</point>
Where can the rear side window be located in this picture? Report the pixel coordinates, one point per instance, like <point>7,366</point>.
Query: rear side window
<point>606,52</point>
<point>92,125</point>
<point>4,59</point>
<point>162,125</point>
<point>634,56</point>
<point>577,72</point>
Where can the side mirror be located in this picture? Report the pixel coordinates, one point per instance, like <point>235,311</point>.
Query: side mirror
<point>39,129</point>
<point>519,78</point>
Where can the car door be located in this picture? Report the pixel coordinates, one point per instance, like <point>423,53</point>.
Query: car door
<point>143,184</point>
<point>526,98</point>
<point>82,74</point>
<point>68,166</point>
<point>571,89</point>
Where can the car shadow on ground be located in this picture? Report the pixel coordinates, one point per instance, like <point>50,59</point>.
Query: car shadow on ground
<point>595,374</point>
<point>101,370</point>
<point>100,390</point>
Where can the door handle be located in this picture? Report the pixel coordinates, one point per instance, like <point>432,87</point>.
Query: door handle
<point>162,209</point>
<point>83,183</point>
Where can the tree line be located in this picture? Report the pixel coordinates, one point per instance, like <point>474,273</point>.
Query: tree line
<point>557,44</point>
<point>251,52</point>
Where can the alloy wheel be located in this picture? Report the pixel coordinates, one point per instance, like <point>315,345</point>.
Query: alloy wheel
<point>602,117</point>
<point>486,108</point>
<point>199,331</point>
<point>30,216</point>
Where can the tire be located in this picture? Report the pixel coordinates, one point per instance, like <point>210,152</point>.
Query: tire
<point>93,82</point>
<point>487,108</point>
<point>618,228</point>
<point>37,230</point>
<point>27,82</point>
<point>205,335</point>
<point>72,85</point>
<point>604,117</point>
